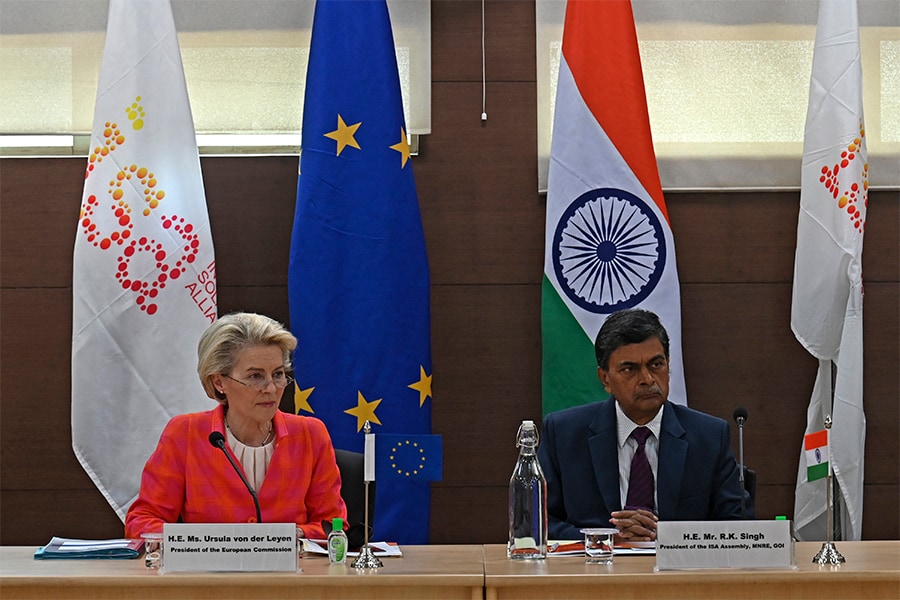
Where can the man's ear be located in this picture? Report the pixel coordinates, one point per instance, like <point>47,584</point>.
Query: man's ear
<point>604,379</point>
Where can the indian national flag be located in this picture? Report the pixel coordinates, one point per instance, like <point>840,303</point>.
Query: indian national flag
<point>816,447</point>
<point>609,244</point>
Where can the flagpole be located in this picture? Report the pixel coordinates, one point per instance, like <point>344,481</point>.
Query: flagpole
<point>828,554</point>
<point>367,558</point>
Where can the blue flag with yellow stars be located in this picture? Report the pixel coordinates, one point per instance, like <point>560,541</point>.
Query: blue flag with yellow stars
<point>409,457</point>
<point>358,277</point>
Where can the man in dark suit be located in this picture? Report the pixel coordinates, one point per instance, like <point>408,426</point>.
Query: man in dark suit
<point>681,459</point>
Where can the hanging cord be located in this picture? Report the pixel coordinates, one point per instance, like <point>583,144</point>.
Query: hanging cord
<point>483,78</point>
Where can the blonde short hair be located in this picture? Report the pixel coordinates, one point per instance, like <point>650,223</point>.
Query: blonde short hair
<point>231,334</point>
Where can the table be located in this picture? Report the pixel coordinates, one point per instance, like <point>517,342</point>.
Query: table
<point>423,573</point>
<point>872,571</point>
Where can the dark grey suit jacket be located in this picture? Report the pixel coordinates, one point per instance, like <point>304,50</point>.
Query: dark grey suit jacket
<point>697,475</point>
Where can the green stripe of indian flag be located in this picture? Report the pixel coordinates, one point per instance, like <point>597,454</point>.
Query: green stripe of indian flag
<point>816,471</point>
<point>569,365</point>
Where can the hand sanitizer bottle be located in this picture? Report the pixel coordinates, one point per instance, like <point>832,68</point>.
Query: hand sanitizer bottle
<point>337,542</point>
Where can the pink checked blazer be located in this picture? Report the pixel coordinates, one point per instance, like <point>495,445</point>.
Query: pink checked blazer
<point>189,478</point>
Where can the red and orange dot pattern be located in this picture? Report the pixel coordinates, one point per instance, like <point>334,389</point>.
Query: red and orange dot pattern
<point>856,196</point>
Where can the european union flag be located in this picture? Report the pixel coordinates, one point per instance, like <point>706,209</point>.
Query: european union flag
<point>358,282</point>
<point>409,457</point>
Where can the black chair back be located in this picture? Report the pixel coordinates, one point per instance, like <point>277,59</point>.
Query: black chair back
<point>353,491</point>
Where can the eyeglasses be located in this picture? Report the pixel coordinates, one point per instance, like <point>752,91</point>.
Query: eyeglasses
<point>260,383</point>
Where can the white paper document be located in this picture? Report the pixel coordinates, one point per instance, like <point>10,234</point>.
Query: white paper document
<point>378,548</point>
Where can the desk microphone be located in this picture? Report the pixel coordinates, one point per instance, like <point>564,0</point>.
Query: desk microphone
<point>740,416</point>
<point>218,440</point>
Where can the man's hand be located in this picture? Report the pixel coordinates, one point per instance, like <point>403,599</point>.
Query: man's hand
<point>635,525</point>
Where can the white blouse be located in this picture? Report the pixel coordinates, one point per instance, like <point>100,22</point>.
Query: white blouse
<point>254,460</point>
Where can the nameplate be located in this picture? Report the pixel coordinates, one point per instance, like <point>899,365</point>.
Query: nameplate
<point>229,547</point>
<point>724,545</point>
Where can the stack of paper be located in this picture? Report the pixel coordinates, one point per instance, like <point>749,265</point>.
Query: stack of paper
<point>69,548</point>
<point>575,548</point>
<point>378,548</point>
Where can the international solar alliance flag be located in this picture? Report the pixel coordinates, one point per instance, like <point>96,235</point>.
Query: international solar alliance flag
<point>827,302</point>
<point>358,281</point>
<point>144,278</point>
<point>609,245</point>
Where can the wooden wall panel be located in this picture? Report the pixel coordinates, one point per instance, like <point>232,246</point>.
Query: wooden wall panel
<point>32,517</point>
<point>736,237</point>
<point>41,200</point>
<point>739,237</point>
<point>476,186</point>
<point>484,227</point>
<point>470,514</point>
<point>881,258</point>
<point>509,39</point>
<point>881,335</point>
<point>720,376</point>
<point>36,343</point>
<point>251,212</point>
<point>484,334</point>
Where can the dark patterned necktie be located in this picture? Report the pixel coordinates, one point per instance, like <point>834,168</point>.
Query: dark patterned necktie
<point>640,483</point>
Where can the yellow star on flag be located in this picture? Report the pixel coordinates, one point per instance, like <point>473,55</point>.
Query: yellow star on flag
<point>423,386</point>
<point>343,135</point>
<point>402,147</point>
<point>301,399</point>
<point>364,411</point>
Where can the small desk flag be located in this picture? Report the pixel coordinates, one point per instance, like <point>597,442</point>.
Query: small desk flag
<point>410,457</point>
<point>816,447</point>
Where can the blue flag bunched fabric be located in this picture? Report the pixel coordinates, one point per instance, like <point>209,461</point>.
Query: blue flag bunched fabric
<point>358,283</point>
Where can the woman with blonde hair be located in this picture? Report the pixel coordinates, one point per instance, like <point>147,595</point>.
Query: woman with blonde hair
<point>287,459</point>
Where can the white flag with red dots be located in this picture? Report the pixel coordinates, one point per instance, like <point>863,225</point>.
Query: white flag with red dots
<point>827,301</point>
<point>144,278</point>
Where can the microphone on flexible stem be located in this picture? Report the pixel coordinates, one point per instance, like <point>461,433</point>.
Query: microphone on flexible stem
<point>218,440</point>
<point>740,416</point>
